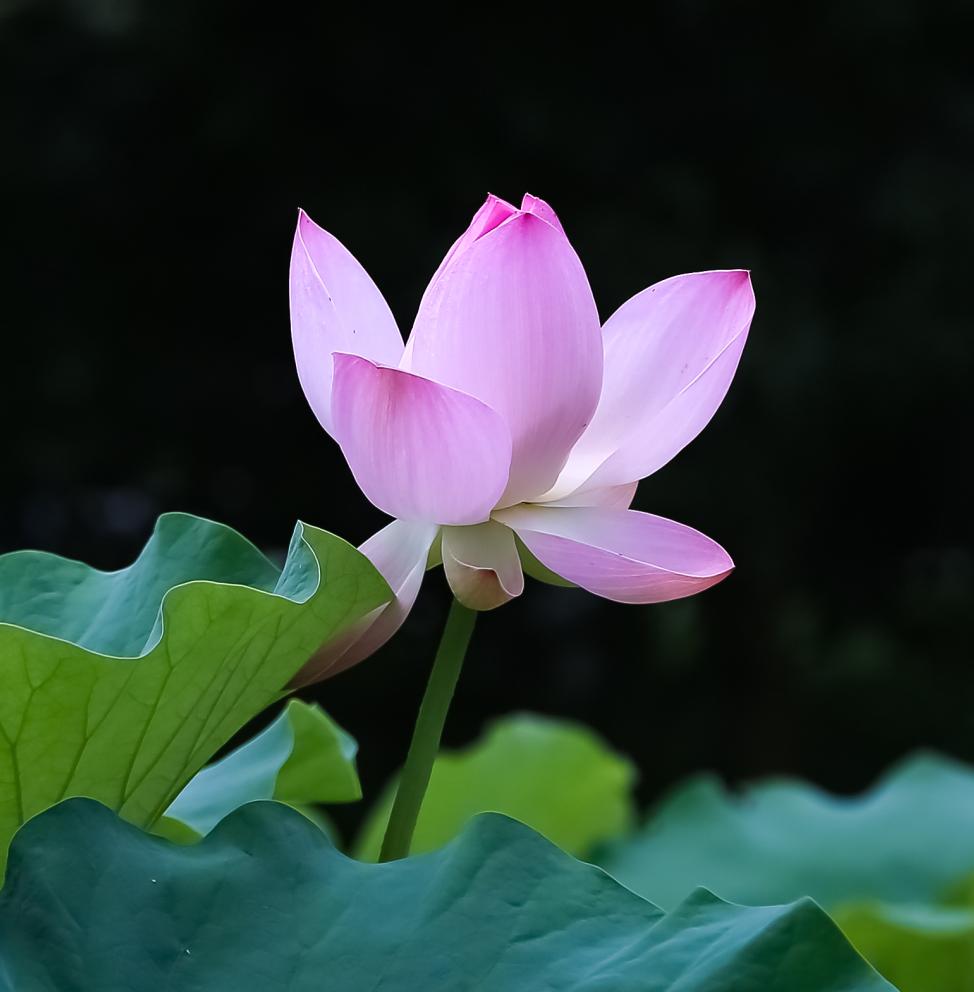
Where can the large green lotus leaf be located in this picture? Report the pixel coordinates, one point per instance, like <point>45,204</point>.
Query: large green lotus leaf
<point>919,948</point>
<point>556,776</point>
<point>265,902</point>
<point>302,757</point>
<point>906,840</point>
<point>120,686</point>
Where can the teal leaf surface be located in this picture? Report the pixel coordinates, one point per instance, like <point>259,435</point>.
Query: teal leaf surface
<point>265,902</point>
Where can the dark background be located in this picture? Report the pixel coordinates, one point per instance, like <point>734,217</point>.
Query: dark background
<point>154,157</point>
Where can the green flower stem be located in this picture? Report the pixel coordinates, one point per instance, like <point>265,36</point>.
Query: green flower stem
<point>426,735</point>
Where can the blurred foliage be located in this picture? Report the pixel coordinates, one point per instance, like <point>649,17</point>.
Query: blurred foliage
<point>909,838</point>
<point>920,948</point>
<point>555,776</point>
<point>154,157</point>
<point>892,866</point>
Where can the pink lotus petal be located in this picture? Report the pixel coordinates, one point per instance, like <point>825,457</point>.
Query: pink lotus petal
<point>624,555</point>
<point>511,320</point>
<point>399,552</point>
<point>670,355</point>
<point>535,205</point>
<point>494,211</point>
<point>482,565</point>
<point>418,450</point>
<point>610,497</point>
<point>335,306</point>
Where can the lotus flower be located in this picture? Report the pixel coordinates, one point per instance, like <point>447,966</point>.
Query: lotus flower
<point>509,433</point>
